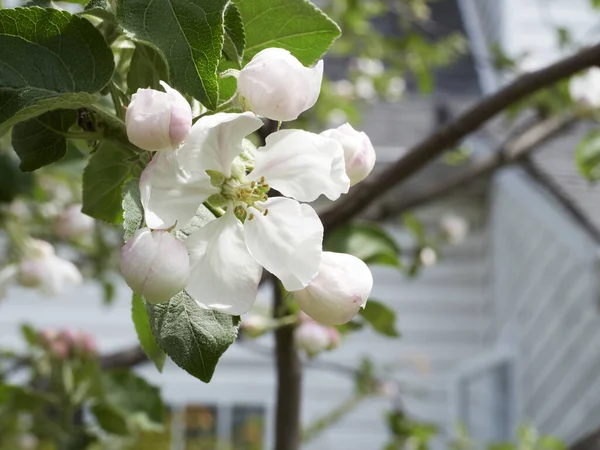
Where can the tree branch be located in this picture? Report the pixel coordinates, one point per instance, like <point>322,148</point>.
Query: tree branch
<point>433,146</point>
<point>512,151</point>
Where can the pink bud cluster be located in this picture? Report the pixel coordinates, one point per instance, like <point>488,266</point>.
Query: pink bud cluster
<point>66,343</point>
<point>314,338</point>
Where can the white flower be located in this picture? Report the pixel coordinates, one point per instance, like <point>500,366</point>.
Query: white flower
<point>359,154</point>
<point>255,325</point>
<point>370,67</point>
<point>42,269</point>
<point>428,257</point>
<point>73,224</point>
<point>342,88</point>
<point>586,88</point>
<point>312,338</point>
<point>395,88</point>
<point>155,264</point>
<point>274,84</point>
<point>279,234</point>
<point>365,89</point>
<point>454,228</point>
<point>337,293</point>
<point>158,120</point>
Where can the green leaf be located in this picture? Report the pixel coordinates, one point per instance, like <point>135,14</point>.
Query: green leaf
<point>142,327</point>
<point>50,59</point>
<point>190,35</point>
<point>36,141</point>
<point>103,180</point>
<point>381,317</point>
<point>133,211</point>
<point>132,395</point>
<point>193,337</point>
<point>367,241</point>
<point>147,68</point>
<point>100,9</point>
<point>13,181</point>
<point>296,25</point>
<point>235,38</point>
<point>29,334</point>
<point>110,419</point>
<point>587,156</point>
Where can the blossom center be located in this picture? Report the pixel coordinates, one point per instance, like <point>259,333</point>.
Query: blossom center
<point>243,195</point>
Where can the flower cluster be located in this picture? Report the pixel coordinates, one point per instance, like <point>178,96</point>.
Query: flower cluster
<point>314,338</point>
<point>67,343</point>
<point>40,268</point>
<point>213,162</point>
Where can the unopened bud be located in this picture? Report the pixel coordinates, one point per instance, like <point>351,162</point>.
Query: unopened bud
<point>339,290</point>
<point>158,120</point>
<point>73,224</point>
<point>454,228</point>
<point>155,264</point>
<point>312,338</point>
<point>334,338</point>
<point>255,325</point>
<point>274,84</point>
<point>359,154</point>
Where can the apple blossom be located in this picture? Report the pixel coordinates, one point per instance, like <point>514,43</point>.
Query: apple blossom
<point>428,257</point>
<point>73,224</point>
<point>586,88</point>
<point>280,234</point>
<point>158,120</point>
<point>255,325</point>
<point>41,268</point>
<point>359,154</point>
<point>340,289</point>
<point>312,337</point>
<point>274,84</point>
<point>155,264</point>
<point>454,228</point>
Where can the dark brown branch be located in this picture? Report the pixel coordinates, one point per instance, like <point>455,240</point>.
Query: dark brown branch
<point>434,145</point>
<point>588,442</point>
<point>512,151</point>
<point>130,357</point>
<point>289,379</point>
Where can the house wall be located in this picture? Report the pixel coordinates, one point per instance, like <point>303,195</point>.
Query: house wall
<point>546,307</point>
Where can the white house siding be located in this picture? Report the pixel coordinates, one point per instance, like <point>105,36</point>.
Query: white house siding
<point>546,294</point>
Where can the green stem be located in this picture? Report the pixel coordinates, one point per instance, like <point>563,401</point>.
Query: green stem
<point>222,108</point>
<point>331,418</point>
<point>116,99</point>
<point>217,212</point>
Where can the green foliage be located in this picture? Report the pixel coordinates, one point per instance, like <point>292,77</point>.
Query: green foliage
<point>110,419</point>
<point>50,60</point>
<point>146,69</point>
<point>103,178</point>
<point>587,156</point>
<point>234,41</point>
<point>142,328</point>
<point>40,140</point>
<point>13,181</point>
<point>189,34</point>
<point>365,240</point>
<point>407,431</point>
<point>296,25</point>
<point>194,337</point>
<point>132,396</point>
<point>381,317</point>
<point>133,211</point>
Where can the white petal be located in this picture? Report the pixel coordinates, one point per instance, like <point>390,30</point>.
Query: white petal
<point>170,194</point>
<point>223,275</point>
<point>287,241</point>
<point>302,165</point>
<point>216,140</point>
<point>59,273</point>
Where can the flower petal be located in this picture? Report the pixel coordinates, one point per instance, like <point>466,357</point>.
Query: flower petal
<point>287,241</point>
<point>302,165</point>
<point>216,140</point>
<point>170,194</point>
<point>223,275</point>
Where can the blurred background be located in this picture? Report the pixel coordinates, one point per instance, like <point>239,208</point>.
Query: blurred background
<point>487,327</point>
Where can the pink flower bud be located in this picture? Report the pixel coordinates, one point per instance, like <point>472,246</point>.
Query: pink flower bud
<point>158,120</point>
<point>155,264</point>
<point>73,224</point>
<point>334,338</point>
<point>339,290</point>
<point>255,325</point>
<point>359,153</point>
<point>274,84</point>
<point>312,338</point>
<point>59,349</point>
